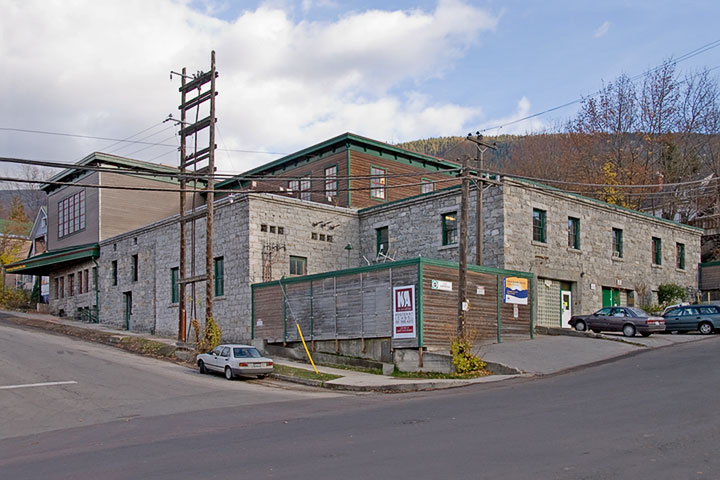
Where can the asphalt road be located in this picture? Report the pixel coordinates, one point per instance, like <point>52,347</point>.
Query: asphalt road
<point>648,416</point>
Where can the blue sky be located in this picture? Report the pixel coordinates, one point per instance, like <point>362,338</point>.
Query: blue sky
<point>294,73</point>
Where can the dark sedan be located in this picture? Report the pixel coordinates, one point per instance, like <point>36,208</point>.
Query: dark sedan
<point>628,320</point>
<point>686,318</point>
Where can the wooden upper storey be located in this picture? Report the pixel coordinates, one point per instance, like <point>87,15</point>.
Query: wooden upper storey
<point>349,171</point>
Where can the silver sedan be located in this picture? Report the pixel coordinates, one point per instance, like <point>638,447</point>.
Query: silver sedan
<point>235,359</point>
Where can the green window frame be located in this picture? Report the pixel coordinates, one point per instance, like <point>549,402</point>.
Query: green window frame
<point>539,225</point>
<point>680,256</point>
<point>449,228</point>
<point>331,182</point>
<point>617,242</point>
<point>219,276</point>
<point>298,265</point>
<point>574,233</point>
<point>382,240</point>
<point>175,285</point>
<point>134,268</point>
<point>656,251</point>
<point>427,185</point>
<point>114,272</point>
<point>378,183</point>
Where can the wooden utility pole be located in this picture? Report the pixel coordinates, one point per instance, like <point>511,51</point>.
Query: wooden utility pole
<point>196,83</point>
<point>463,246</point>
<point>481,147</point>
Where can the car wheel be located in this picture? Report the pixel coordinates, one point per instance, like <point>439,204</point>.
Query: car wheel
<point>645,334</point>
<point>264,375</point>
<point>580,326</point>
<point>705,328</point>
<point>629,330</point>
<point>595,330</point>
<point>201,364</point>
<point>228,373</point>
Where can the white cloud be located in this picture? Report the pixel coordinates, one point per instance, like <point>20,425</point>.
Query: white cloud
<point>101,68</point>
<point>521,127</point>
<point>602,30</point>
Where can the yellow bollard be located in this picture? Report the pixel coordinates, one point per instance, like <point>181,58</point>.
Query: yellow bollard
<point>306,349</point>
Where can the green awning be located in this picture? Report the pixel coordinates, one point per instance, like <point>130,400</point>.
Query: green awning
<point>44,263</point>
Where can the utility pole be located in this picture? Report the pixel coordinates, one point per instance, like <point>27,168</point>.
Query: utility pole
<point>196,83</point>
<point>480,184</point>
<point>463,246</point>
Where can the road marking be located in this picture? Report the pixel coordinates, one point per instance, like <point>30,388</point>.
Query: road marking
<point>28,385</point>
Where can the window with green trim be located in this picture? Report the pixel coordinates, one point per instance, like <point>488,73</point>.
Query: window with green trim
<point>574,233</point>
<point>377,183</point>
<point>298,265</point>
<point>427,185</point>
<point>680,256</point>
<point>331,184</point>
<point>174,285</point>
<point>539,225</point>
<point>381,240</point>
<point>305,187</point>
<point>617,242</point>
<point>219,276</point>
<point>134,268</point>
<point>114,272</point>
<point>449,228</point>
<point>656,251</point>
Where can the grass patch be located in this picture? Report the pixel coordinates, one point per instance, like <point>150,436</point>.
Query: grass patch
<point>146,347</point>
<point>441,376</point>
<point>374,371</point>
<point>302,373</point>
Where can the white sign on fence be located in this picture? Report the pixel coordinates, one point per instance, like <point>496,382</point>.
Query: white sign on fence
<point>404,312</point>
<point>441,285</point>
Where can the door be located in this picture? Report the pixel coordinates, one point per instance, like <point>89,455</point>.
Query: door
<point>127,297</point>
<point>566,299</point>
<point>611,297</point>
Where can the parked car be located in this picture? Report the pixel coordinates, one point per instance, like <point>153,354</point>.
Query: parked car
<point>233,360</point>
<point>687,318</point>
<point>627,320</point>
<point>672,307</point>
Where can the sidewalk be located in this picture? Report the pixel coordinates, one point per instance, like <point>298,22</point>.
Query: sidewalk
<point>546,354</point>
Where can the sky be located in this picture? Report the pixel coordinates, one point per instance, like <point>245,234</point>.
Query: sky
<point>293,73</point>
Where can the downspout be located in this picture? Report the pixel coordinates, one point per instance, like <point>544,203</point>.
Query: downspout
<point>97,290</point>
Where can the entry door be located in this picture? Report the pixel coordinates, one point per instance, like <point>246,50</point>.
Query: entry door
<point>127,296</point>
<point>566,298</point>
<point>611,297</point>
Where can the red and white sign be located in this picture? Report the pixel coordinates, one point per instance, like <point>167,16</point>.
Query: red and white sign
<point>404,312</point>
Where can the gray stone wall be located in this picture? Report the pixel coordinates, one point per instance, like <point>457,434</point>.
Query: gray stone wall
<point>66,304</point>
<point>593,266</point>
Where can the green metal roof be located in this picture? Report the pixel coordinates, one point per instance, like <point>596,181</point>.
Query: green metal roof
<point>342,141</point>
<point>70,174</point>
<point>42,264</point>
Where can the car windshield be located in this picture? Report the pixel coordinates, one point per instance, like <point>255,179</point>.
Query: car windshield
<point>638,312</point>
<point>246,352</point>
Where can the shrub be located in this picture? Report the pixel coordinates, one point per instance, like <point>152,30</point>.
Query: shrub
<point>463,358</point>
<point>670,293</point>
<point>211,335</point>
<point>14,299</point>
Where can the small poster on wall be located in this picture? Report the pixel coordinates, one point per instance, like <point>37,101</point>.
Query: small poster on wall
<point>404,312</point>
<point>515,290</point>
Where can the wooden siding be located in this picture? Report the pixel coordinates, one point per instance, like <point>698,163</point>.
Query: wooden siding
<point>316,170</point>
<point>123,210</point>
<point>440,308</point>
<point>709,277</point>
<point>360,164</point>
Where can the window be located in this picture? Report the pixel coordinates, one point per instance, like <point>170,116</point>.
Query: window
<point>71,214</point>
<point>539,225</point>
<point>281,230</point>
<point>331,184</point>
<point>314,235</point>
<point>381,240</point>
<point>329,238</point>
<point>219,276</point>
<point>114,272</point>
<point>263,228</point>
<point>298,265</point>
<point>174,285</point>
<point>57,288</point>
<point>87,281</point>
<point>427,185</point>
<point>574,233</point>
<point>680,256</point>
<point>377,183</point>
<point>62,287</point>
<point>656,251</point>
<point>294,185</point>
<point>305,186</point>
<point>617,242</point>
<point>449,228</point>
<point>272,228</point>
<point>80,282</point>
<point>134,268</point>
<point>71,284</point>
